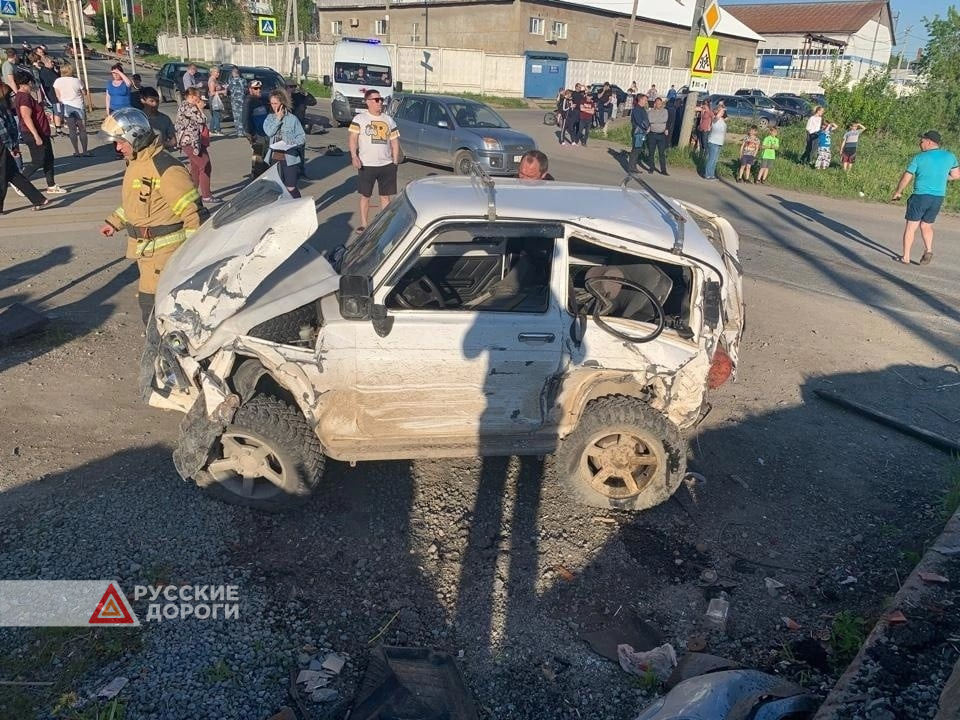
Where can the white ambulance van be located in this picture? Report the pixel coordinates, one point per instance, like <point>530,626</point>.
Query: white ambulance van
<point>358,65</point>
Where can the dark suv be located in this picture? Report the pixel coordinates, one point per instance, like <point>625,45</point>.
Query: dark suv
<point>270,79</point>
<point>170,80</point>
<point>742,106</point>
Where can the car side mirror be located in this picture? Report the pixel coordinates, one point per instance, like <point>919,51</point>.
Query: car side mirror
<point>355,297</point>
<point>327,82</point>
<point>443,124</point>
<point>398,86</point>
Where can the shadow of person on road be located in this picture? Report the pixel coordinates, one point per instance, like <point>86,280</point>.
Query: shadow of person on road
<point>815,215</point>
<point>16,274</point>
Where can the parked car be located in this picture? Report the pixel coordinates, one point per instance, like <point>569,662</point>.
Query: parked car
<point>456,132</point>
<point>170,80</point>
<point>787,116</point>
<point>796,104</point>
<point>621,93</point>
<point>146,49</point>
<point>740,106</point>
<point>472,317</point>
<point>818,98</point>
<point>751,92</point>
<point>270,78</point>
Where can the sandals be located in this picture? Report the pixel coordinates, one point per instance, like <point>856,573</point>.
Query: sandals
<point>926,258</point>
<point>360,229</point>
<point>37,208</point>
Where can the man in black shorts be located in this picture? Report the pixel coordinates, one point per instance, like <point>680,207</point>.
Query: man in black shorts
<point>374,143</point>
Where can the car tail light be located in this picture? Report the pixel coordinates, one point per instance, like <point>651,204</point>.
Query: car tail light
<point>721,368</point>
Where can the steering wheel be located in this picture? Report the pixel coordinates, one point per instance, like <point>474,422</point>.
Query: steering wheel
<point>601,303</point>
<point>429,288</point>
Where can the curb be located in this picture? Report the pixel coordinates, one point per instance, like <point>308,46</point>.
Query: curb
<point>845,699</point>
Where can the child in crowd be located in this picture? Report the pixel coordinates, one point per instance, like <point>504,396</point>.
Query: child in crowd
<point>768,153</point>
<point>749,149</point>
<point>824,153</point>
<point>848,153</point>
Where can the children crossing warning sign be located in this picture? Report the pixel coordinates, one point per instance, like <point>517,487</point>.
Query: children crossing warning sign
<point>704,57</point>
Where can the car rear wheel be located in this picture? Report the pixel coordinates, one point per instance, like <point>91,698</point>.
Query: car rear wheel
<point>267,459</point>
<point>763,122</point>
<point>462,162</point>
<point>622,454</point>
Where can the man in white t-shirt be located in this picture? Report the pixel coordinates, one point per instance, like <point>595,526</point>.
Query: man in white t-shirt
<point>814,124</point>
<point>374,143</point>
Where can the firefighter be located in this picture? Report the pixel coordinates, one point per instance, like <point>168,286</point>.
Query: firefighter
<point>160,206</point>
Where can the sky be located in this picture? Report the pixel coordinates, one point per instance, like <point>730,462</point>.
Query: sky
<point>910,31</point>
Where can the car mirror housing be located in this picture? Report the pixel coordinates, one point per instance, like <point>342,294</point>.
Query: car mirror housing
<point>443,124</point>
<point>398,86</point>
<point>355,297</point>
<point>327,82</point>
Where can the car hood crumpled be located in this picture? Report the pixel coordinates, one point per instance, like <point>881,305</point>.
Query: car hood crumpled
<point>248,263</point>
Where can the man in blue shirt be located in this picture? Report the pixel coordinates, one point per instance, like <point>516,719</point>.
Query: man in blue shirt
<point>930,169</point>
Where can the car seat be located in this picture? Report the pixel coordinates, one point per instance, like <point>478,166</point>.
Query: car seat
<point>465,118</point>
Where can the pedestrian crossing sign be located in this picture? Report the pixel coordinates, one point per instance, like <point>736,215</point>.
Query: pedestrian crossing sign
<point>268,26</point>
<point>9,7</point>
<point>704,57</point>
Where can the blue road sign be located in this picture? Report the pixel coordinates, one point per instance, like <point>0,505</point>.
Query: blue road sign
<point>268,26</point>
<point>9,7</point>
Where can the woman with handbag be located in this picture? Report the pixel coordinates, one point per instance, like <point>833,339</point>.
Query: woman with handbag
<point>193,137</point>
<point>216,92</point>
<point>286,139</point>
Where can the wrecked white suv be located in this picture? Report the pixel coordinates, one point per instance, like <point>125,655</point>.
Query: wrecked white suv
<point>471,318</point>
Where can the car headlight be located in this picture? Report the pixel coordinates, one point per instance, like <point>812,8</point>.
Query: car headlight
<point>491,144</point>
<point>338,97</point>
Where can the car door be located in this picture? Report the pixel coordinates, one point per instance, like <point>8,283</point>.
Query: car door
<point>475,336</point>
<point>409,118</point>
<point>436,134</point>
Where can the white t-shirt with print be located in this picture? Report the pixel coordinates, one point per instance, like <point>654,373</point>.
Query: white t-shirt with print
<point>374,136</point>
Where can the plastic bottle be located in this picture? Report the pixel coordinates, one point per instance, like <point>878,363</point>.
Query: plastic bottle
<point>717,610</point>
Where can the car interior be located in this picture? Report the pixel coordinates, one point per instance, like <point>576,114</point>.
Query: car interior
<point>471,269</point>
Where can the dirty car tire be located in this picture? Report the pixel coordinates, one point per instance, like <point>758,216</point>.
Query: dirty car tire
<point>285,328</point>
<point>268,435</point>
<point>622,454</point>
<point>462,162</point>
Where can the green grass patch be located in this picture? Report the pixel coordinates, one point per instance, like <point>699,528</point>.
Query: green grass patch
<point>316,88</point>
<point>846,636</point>
<point>61,656</point>
<point>218,672</point>
<point>881,160</point>
<point>951,496</point>
<point>494,100</point>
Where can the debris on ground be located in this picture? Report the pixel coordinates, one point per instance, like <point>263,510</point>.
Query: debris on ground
<point>285,713</point>
<point>694,664</point>
<point>717,611</point>
<point>17,321</point>
<point>931,577</point>
<point>773,586</point>
<point>790,624</point>
<point>729,694</point>
<point>658,662</point>
<point>604,632</point>
<point>112,688</point>
<point>414,684</point>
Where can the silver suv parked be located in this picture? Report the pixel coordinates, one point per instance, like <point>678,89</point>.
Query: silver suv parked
<point>472,317</point>
<point>457,133</point>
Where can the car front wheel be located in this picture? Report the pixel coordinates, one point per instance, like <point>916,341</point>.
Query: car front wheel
<point>267,459</point>
<point>462,162</point>
<point>623,454</point>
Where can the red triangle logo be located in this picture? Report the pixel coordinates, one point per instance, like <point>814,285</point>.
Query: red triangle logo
<point>112,609</point>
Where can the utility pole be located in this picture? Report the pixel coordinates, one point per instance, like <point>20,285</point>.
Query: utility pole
<point>690,108</point>
<point>126,9</point>
<point>633,20</point>
<point>106,28</point>
<point>77,17</point>
<point>179,30</point>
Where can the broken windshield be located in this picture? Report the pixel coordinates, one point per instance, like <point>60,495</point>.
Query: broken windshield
<point>364,256</point>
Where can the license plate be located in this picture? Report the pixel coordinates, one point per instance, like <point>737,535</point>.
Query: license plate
<point>516,158</point>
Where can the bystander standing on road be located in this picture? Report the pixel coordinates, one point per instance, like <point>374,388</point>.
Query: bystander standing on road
<point>639,127</point>
<point>71,93</point>
<point>193,139</point>
<point>715,141</point>
<point>190,79</point>
<point>704,123</point>
<point>254,113</point>
<point>658,133</point>
<point>588,109</point>
<point>216,91</point>
<point>49,73</point>
<point>161,124</point>
<point>374,143</point>
<point>159,204</point>
<point>569,130</point>
<point>8,68</point>
<point>749,149</point>
<point>814,123</point>
<point>118,90</point>
<point>237,91</point>
<point>851,138</point>
<point>35,133</point>
<point>9,152</point>
<point>287,139</point>
<point>534,165</point>
<point>768,153</point>
<point>930,169</point>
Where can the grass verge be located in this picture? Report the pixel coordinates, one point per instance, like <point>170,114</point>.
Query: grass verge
<point>60,657</point>
<point>951,496</point>
<point>881,160</point>
<point>846,636</point>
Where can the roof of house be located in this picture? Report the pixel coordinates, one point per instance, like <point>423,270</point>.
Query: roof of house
<point>809,17</point>
<point>671,12</point>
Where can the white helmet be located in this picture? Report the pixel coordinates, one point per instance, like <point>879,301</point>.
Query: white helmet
<point>130,125</point>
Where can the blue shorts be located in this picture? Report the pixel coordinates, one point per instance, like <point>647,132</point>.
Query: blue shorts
<point>923,208</point>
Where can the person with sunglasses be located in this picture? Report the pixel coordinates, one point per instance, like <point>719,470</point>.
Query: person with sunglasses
<point>374,142</point>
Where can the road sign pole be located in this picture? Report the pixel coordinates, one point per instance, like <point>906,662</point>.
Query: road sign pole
<point>690,108</point>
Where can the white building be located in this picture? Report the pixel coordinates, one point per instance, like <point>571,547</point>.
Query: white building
<point>803,39</point>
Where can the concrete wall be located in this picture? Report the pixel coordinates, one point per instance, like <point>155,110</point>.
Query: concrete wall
<point>460,70</point>
<point>504,28</point>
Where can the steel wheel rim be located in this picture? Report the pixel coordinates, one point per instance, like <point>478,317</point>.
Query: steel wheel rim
<point>619,463</point>
<point>249,467</point>
<point>463,166</point>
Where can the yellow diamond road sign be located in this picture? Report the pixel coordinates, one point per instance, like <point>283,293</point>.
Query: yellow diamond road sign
<point>704,57</point>
<point>711,17</point>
